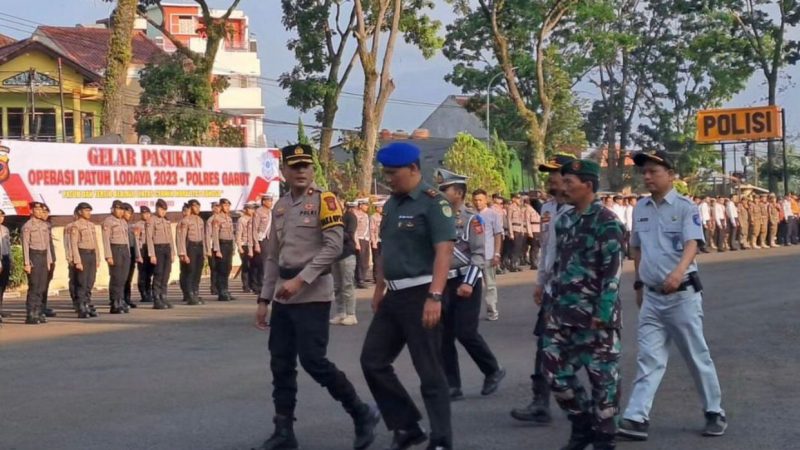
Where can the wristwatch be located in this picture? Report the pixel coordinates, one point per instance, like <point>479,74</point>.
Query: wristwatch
<point>435,296</point>
<point>637,285</point>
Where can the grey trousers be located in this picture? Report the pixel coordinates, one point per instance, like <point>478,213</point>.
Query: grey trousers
<point>344,272</point>
<point>490,287</point>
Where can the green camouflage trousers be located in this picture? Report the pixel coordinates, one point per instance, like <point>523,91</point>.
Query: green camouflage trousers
<point>567,350</point>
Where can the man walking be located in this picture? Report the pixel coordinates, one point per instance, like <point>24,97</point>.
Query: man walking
<point>584,322</point>
<point>667,232</point>
<point>417,238</point>
<point>306,238</point>
<point>493,232</point>
<point>344,272</point>
<point>362,243</point>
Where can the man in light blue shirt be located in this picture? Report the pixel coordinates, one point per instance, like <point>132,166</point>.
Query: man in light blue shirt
<point>493,230</point>
<point>667,231</point>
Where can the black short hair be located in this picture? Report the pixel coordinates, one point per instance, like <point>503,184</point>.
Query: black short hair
<point>479,192</point>
<point>593,179</point>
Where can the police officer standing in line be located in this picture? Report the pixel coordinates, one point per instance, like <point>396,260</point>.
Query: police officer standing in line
<point>49,312</point>
<point>84,258</point>
<point>262,221</point>
<point>116,246</point>
<point>244,245</point>
<point>71,273</point>
<point>222,236</point>
<point>5,261</point>
<point>161,251</point>
<point>362,243</point>
<point>533,222</point>
<point>374,233</point>
<point>538,410</point>
<point>666,234</point>
<point>185,270</point>
<point>516,227</point>
<point>583,324</point>
<point>462,296</point>
<point>144,267</point>
<point>134,236</point>
<point>37,254</point>
<point>417,236</point>
<point>191,251</point>
<point>209,251</point>
<point>305,239</point>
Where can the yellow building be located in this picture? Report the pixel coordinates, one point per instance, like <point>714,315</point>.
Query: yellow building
<point>32,90</point>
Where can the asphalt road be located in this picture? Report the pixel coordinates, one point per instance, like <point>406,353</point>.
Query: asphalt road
<point>196,377</point>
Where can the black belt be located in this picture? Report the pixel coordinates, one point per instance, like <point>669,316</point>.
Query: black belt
<point>37,251</point>
<point>194,243</point>
<point>157,245</point>
<point>683,287</point>
<point>86,250</point>
<point>287,274</point>
<point>120,245</point>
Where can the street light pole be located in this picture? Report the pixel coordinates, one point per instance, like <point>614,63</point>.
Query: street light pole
<point>489,104</point>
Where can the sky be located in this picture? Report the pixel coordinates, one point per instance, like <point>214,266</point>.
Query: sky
<point>416,79</point>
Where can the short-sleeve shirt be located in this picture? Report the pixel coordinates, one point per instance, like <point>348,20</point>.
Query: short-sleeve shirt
<point>661,232</point>
<point>493,225</point>
<point>412,225</point>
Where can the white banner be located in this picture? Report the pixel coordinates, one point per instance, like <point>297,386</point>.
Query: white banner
<point>63,175</point>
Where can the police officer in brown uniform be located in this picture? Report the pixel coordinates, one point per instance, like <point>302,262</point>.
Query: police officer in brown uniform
<point>117,251</point>
<point>161,252</point>
<point>134,238</point>
<point>244,245</point>
<point>517,227</point>
<point>209,239</point>
<point>144,267</point>
<point>764,214</point>
<point>774,219</point>
<point>262,221</point>
<point>306,238</point>
<point>5,261</point>
<point>49,312</point>
<point>755,222</point>
<point>744,223</point>
<point>185,271</point>
<point>222,236</point>
<point>84,258</point>
<point>38,257</point>
<point>71,273</point>
<point>191,251</point>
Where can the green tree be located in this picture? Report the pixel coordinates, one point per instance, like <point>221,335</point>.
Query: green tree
<point>172,106</point>
<point>320,175</point>
<point>117,61</point>
<point>766,26</point>
<point>324,28</point>
<point>470,157</point>
<point>520,35</point>
<point>508,164</point>
<point>379,23</point>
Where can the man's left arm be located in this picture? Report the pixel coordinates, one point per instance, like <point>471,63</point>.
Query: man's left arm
<point>610,270</point>
<point>331,220</point>
<point>692,233</point>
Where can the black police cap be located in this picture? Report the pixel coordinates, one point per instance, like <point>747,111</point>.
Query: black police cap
<point>297,154</point>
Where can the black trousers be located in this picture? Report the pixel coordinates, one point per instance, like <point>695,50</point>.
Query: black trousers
<point>397,323</point>
<point>183,280</point>
<point>196,254</point>
<point>461,317</point>
<point>162,270</point>
<point>72,284</point>
<point>539,383</point>
<point>533,250</point>
<point>212,268</point>
<point>245,268</point>
<point>4,277</point>
<point>119,272</point>
<point>144,280</point>
<point>222,266</point>
<point>84,279</point>
<point>129,280</point>
<point>516,251</point>
<point>362,261</point>
<point>375,253</point>
<point>50,273</point>
<point>300,331</point>
<point>37,281</point>
<point>257,267</point>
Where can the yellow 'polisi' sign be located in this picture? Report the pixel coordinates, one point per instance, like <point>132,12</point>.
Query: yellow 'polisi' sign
<point>741,124</point>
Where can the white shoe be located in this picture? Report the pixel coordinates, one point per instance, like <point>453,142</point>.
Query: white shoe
<point>493,316</point>
<point>756,246</point>
<point>337,319</point>
<point>349,321</point>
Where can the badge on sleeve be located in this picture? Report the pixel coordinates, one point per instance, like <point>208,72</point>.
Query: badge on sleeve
<point>330,215</point>
<point>696,219</point>
<point>446,209</point>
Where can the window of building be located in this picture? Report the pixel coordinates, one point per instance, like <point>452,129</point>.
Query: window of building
<point>69,123</point>
<point>88,125</point>
<point>16,123</point>
<point>186,25</point>
<point>43,126</point>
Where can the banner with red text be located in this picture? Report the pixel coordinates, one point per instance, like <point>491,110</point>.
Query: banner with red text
<point>63,175</point>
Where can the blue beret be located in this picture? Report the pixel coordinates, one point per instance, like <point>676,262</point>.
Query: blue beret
<point>398,154</point>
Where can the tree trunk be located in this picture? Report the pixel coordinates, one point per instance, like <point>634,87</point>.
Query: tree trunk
<point>369,135</point>
<point>329,110</point>
<point>119,57</point>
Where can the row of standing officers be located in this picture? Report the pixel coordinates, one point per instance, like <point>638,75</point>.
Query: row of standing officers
<point>146,244</point>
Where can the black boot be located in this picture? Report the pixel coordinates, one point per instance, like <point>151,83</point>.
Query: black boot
<point>283,437</point>
<point>32,317</point>
<point>538,410</point>
<point>146,296</point>
<point>158,303</point>
<point>83,311</point>
<point>603,441</point>
<point>582,435</point>
<point>365,420</point>
<point>165,301</point>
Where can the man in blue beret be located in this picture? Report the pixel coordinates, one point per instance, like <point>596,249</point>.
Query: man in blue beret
<point>417,237</point>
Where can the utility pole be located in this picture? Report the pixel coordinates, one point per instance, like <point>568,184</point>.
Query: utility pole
<point>33,129</point>
<point>61,101</point>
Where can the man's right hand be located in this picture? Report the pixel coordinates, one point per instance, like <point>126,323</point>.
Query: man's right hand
<point>261,317</point>
<point>538,294</point>
<point>153,260</point>
<point>185,259</point>
<point>377,298</point>
<point>79,266</point>
<point>496,261</point>
<point>27,269</point>
<point>110,261</point>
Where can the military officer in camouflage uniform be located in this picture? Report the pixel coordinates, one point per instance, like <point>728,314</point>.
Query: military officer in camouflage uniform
<point>667,231</point>
<point>583,326</point>
<point>305,239</point>
<point>538,410</point>
<point>462,296</point>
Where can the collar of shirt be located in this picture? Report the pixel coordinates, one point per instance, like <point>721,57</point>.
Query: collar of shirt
<point>670,198</point>
<point>414,193</point>
<point>312,188</point>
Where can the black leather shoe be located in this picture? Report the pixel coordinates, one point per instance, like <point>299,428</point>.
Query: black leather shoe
<point>404,439</point>
<point>32,319</point>
<point>283,437</point>
<point>456,394</point>
<point>365,425</point>
<point>535,412</point>
<point>492,382</point>
<point>48,312</point>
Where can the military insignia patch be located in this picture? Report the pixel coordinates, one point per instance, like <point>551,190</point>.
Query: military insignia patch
<point>447,211</point>
<point>576,165</point>
<point>330,215</point>
<point>298,150</point>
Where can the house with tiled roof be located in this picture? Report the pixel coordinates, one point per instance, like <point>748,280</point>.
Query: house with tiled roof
<point>64,66</point>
